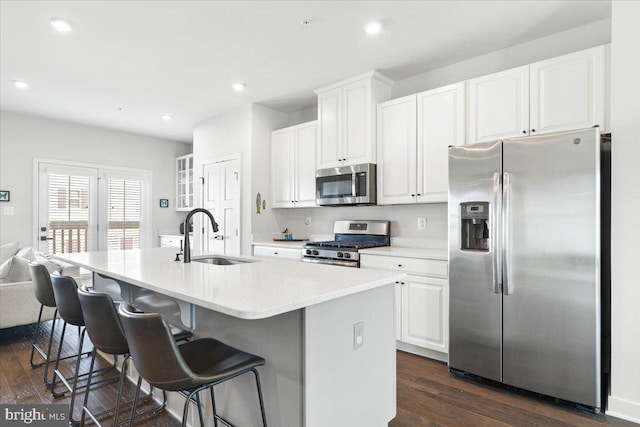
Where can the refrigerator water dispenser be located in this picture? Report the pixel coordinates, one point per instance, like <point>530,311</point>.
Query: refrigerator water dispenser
<point>475,227</point>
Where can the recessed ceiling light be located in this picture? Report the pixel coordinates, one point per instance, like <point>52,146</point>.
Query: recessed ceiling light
<point>20,84</point>
<point>373,27</point>
<point>167,117</point>
<point>61,25</point>
<point>238,86</point>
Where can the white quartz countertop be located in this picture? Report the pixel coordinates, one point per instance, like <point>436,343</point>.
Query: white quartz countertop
<point>256,290</point>
<point>399,251</point>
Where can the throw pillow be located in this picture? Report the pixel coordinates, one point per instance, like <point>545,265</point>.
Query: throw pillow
<point>26,253</point>
<point>4,268</point>
<point>7,251</point>
<point>52,267</point>
<point>19,271</point>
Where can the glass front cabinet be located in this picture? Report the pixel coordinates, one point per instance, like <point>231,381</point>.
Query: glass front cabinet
<point>184,182</point>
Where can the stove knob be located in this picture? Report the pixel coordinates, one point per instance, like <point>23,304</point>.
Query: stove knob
<point>340,254</point>
<point>347,255</point>
<point>316,252</point>
<point>308,252</point>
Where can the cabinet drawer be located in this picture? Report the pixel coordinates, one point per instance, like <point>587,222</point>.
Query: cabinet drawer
<point>427,267</point>
<point>288,253</point>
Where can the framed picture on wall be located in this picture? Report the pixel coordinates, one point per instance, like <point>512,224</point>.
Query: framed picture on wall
<point>164,203</point>
<point>5,196</point>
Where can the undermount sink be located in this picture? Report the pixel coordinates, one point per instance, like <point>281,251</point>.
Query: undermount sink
<point>218,260</point>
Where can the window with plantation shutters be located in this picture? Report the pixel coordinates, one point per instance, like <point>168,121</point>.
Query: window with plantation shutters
<point>84,207</point>
<point>69,213</point>
<point>124,213</point>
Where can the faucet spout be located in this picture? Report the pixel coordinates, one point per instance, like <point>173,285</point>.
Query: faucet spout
<point>187,248</point>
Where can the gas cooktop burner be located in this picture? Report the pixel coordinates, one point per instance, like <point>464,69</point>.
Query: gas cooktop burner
<point>344,245</point>
<point>350,236</point>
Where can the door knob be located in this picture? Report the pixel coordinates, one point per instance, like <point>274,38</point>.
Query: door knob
<point>218,237</point>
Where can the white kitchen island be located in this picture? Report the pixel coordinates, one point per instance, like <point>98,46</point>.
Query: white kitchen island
<point>300,317</point>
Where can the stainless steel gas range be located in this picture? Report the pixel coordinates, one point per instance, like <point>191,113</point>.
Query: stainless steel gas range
<point>350,236</point>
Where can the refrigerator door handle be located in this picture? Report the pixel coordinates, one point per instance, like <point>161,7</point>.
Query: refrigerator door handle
<point>497,245</point>
<point>506,280</point>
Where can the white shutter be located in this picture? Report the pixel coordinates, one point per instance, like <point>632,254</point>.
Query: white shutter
<point>68,213</point>
<point>124,213</point>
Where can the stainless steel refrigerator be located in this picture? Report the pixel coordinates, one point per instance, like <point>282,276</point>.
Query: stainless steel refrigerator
<point>527,230</point>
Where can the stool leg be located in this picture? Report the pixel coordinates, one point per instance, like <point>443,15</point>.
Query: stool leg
<point>46,366</point>
<point>57,365</point>
<point>199,409</point>
<point>86,393</point>
<point>264,416</point>
<point>132,420</point>
<point>35,338</point>
<point>123,375</point>
<point>75,377</point>
<point>213,406</point>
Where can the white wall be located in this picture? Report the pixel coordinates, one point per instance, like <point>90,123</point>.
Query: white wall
<point>24,137</point>
<point>583,37</point>
<point>263,122</point>
<point>625,283</point>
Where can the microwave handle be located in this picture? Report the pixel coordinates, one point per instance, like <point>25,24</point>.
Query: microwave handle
<point>353,184</point>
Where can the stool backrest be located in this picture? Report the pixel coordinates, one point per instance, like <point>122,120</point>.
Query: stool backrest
<point>42,281</point>
<point>102,322</point>
<point>154,351</point>
<point>65,289</point>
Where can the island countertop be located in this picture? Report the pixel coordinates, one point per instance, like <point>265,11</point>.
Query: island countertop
<point>254,290</point>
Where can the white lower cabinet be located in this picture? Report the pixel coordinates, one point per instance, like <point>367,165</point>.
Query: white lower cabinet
<point>422,303</point>
<point>278,252</point>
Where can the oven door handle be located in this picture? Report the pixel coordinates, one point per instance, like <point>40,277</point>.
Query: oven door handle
<point>330,262</point>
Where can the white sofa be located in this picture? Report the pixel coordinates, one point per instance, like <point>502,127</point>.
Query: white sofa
<point>18,304</point>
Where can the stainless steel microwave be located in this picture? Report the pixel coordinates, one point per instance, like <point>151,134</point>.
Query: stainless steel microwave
<point>346,185</point>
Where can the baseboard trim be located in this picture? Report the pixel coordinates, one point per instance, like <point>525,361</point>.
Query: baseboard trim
<point>420,351</point>
<point>625,409</point>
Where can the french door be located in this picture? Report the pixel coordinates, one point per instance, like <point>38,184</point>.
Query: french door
<point>83,208</point>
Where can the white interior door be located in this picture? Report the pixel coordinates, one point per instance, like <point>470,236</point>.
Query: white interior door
<point>222,199</point>
<point>67,208</point>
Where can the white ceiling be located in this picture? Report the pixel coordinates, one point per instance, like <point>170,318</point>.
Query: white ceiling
<point>151,58</point>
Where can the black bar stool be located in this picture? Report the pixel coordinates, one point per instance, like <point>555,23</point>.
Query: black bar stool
<point>190,367</point>
<point>65,290</point>
<point>106,334</point>
<point>44,294</point>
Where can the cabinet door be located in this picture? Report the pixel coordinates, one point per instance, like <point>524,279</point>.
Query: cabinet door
<point>568,92</point>
<point>441,123</point>
<point>282,167</point>
<point>357,142</point>
<point>425,316</point>
<point>305,183</point>
<point>499,105</point>
<point>330,128</point>
<point>398,308</point>
<point>397,151</point>
<point>277,252</point>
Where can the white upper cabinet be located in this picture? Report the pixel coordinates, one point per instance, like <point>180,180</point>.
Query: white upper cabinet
<point>347,121</point>
<point>293,152</point>
<point>568,92</point>
<point>184,183</point>
<point>499,105</point>
<point>414,133</point>
<point>563,93</point>
<point>441,123</point>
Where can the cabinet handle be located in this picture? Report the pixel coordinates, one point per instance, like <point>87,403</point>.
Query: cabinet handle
<point>524,131</point>
<point>533,130</point>
<point>413,195</point>
<point>344,160</point>
<point>275,253</point>
<point>419,194</point>
<point>399,265</point>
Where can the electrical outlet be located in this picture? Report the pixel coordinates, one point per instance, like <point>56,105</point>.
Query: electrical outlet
<point>8,210</point>
<point>422,223</point>
<point>307,221</point>
<point>358,335</point>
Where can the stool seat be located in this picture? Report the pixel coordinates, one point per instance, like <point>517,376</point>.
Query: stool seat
<point>212,360</point>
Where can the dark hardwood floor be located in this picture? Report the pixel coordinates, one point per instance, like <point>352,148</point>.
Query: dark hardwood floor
<point>427,394</point>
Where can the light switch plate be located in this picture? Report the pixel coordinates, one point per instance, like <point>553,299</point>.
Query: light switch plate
<point>358,335</point>
<point>8,210</point>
